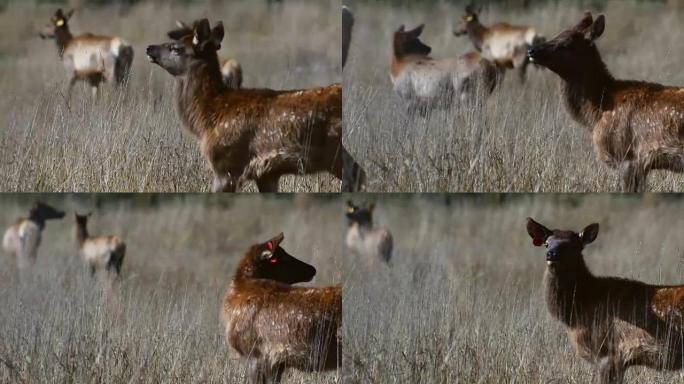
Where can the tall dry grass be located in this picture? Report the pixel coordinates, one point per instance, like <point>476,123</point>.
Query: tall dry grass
<point>131,140</point>
<point>522,139</point>
<point>160,324</point>
<point>463,301</point>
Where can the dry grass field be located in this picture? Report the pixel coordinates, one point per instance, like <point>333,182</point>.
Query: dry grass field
<point>522,139</point>
<point>132,140</point>
<point>161,323</point>
<point>463,300</point>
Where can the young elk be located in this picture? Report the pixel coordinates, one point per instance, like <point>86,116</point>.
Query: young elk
<point>635,126</point>
<point>21,240</point>
<point>252,134</point>
<point>362,238</point>
<point>275,325</point>
<point>99,252</point>
<point>426,83</point>
<point>503,43</point>
<point>88,57</point>
<point>612,322</point>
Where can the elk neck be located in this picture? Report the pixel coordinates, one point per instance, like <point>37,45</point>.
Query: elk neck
<point>476,33</point>
<point>194,92</point>
<point>37,218</point>
<point>564,289</point>
<point>81,233</point>
<point>62,38</point>
<point>588,92</point>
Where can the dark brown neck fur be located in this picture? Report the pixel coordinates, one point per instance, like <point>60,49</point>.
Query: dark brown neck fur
<point>202,82</point>
<point>62,38</point>
<point>81,233</point>
<point>562,292</point>
<point>476,32</point>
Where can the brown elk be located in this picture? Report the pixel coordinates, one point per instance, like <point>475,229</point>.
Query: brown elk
<point>426,83</point>
<point>636,126</point>
<point>88,57</point>
<point>503,43</point>
<point>364,239</point>
<point>99,252</point>
<point>21,240</point>
<point>276,325</point>
<point>612,322</point>
<point>252,134</point>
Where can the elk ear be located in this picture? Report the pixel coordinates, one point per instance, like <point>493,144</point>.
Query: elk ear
<point>418,30</point>
<point>182,25</point>
<point>585,23</point>
<point>537,232</point>
<point>202,31</point>
<point>272,244</point>
<point>217,34</point>
<point>588,235</point>
<point>401,28</point>
<point>598,27</point>
<point>69,14</point>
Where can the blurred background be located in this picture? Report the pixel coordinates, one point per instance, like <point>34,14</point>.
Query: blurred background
<point>132,141</point>
<point>522,139</point>
<point>462,301</point>
<point>160,323</point>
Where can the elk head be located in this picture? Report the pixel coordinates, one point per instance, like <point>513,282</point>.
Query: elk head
<point>469,17</point>
<point>572,53</point>
<point>40,212</point>
<point>57,26</point>
<point>362,215</point>
<point>189,47</point>
<point>82,220</point>
<point>407,42</point>
<point>563,247</point>
<point>270,261</point>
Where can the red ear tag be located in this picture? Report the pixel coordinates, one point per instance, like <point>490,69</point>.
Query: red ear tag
<point>273,260</point>
<point>269,245</point>
<point>537,241</point>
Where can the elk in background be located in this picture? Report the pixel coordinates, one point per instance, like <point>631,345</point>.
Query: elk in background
<point>502,43</point>
<point>278,326</point>
<point>636,126</point>
<point>88,57</point>
<point>99,252</point>
<point>425,83</point>
<point>365,240</point>
<point>612,322</point>
<point>21,240</point>
<point>252,134</point>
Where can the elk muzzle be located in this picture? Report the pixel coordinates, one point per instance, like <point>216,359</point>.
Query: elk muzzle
<point>154,53</point>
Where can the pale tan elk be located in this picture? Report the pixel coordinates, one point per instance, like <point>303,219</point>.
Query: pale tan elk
<point>363,238</point>
<point>22,239</point>
<point>612,322</point>
<point>425,83</point>
<point>88,57</point>
<point>636,126</point>
<point>503,43</point>
<point>99,252</point>
<point>252,134</point>
<point>275,325</point>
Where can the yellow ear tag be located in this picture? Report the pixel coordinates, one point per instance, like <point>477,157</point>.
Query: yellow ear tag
<point>60,22</point>
<point>469,18</point>
<point>350,209</point>
<point>195,40</point>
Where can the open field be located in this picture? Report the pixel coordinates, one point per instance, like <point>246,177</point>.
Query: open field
<point>132,140</point>
<point>161,323</point>
<point>463,300</point>
<point>522,139</point>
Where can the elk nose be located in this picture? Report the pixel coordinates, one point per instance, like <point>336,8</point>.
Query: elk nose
<point>531,51</point>
<point>551,255</point>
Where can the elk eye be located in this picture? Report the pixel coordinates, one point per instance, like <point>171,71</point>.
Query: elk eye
<point>176,50</point>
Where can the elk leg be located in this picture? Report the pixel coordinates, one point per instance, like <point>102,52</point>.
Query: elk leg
<point>223,184</point>
<point>72,82</point>
<point>268,183</point>
<point>633,177</point>
<point>611,371</point>
<point>350,172</point>
<point>260,372</point>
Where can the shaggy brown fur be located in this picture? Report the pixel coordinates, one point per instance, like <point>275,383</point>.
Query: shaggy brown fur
<point>612,322</point>
<point>504,43</point>
<point>636,126</point>
<point>88,57</point>
<point>99,252</point>
<point>251,134</point>
<point>426,83</point>
<point>278,326</point>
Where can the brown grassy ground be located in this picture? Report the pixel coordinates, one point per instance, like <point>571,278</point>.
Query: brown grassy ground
<point>161,324</point>
<point>463,300</point>
<point>132,140</point>
<point>523,139</point>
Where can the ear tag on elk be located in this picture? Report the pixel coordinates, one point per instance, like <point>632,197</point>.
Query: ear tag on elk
<point>195,39</point>
<point>350,209</point>
<point>60,22</point>
<point>537,241</point>
<point>469,18</point>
